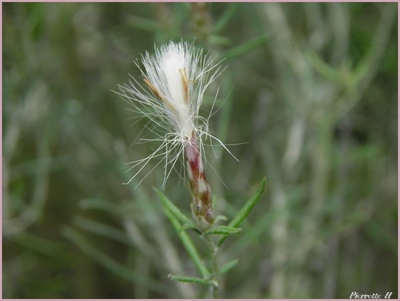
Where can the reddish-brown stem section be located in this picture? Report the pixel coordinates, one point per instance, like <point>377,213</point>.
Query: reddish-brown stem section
<point>201,192</point>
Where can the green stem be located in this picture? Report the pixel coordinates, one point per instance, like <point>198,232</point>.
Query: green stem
<point>213,249</point>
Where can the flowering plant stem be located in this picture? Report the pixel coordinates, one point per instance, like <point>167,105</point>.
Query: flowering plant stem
<point>211,273</point>
<point>175,79</point>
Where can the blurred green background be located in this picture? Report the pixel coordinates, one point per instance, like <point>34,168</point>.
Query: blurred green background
<point>311,88</point>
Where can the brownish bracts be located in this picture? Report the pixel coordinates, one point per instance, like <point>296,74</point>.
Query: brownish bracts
<point>200,189</point>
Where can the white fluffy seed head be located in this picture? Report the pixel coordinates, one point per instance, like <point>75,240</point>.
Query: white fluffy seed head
<point>174,82</point>
<point>177,76</point>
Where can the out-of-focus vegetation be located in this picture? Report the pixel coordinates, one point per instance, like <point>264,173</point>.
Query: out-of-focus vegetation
<point>311,87</point>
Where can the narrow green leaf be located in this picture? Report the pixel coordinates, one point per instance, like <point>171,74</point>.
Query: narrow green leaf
<point>227,266</point>
<point>174,210</point>
<point>189,226</point>
<point>176,216</point>
<point>321,67</point>
<point>187,242</point>
<point>190,279</point>
<point>244,212</point>
<point>220,218</point>
<point>243,48</point>
<point>102,229</point>
<point>225,230</point>
<point>40,245</point>
<point>224,19</point>
<point>249,205</point>
<point>93,203</point>
<point>111,264</point>
<point>145,24</point>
